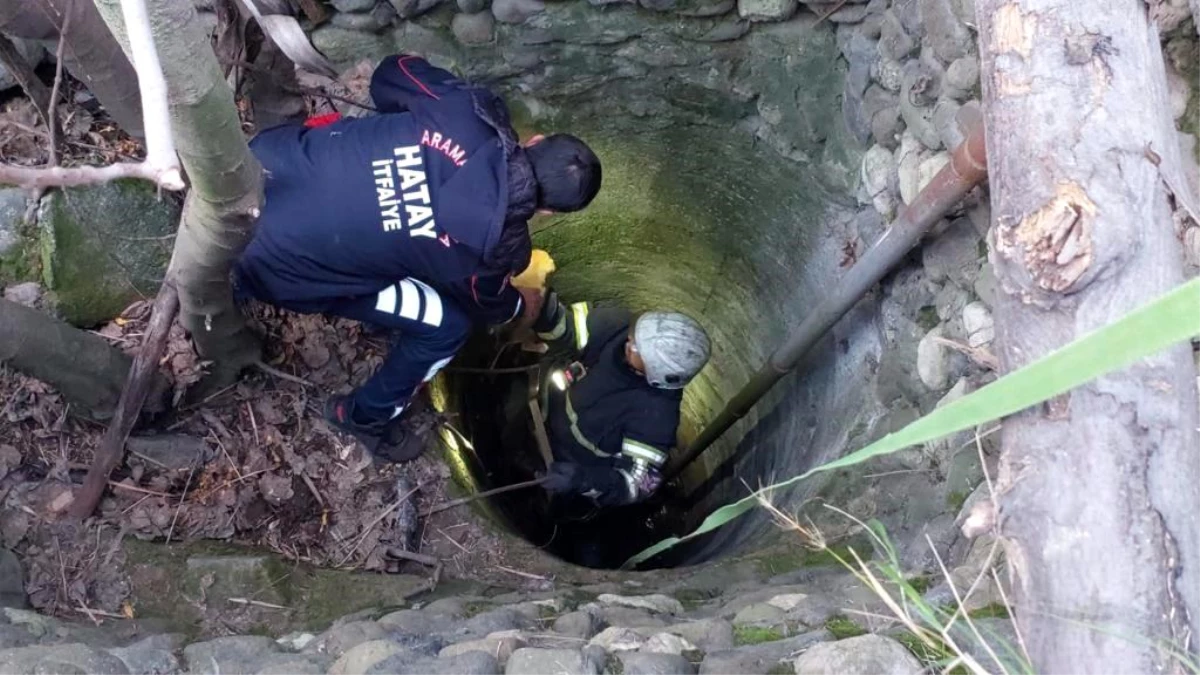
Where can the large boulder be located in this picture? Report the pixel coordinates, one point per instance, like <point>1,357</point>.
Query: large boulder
<point>862,655</point>
<point>104,246</point>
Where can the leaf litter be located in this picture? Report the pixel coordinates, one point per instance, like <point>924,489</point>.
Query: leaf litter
<point>255,464</point>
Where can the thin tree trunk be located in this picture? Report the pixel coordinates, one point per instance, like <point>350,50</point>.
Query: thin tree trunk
<point>1097,489</point>
<point>83,367</point>
<point>92,55</point>
<point>226,184</point>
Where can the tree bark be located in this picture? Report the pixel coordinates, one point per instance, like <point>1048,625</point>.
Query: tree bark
<point>1097,489</point>
<point>226,184</point>
<point>92,55</point>
<point>86,370</point>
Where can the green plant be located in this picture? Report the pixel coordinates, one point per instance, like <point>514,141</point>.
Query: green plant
<point>752,635</point>
<point>841,627</point>
<point>1145,331</point>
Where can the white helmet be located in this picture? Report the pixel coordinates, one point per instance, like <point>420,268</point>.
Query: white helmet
<point>673,346</point>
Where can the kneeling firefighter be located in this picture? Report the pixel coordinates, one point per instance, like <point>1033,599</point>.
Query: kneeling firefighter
<point>613,411</point>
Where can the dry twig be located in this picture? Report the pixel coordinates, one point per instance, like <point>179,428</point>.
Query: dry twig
<point>482,495</point>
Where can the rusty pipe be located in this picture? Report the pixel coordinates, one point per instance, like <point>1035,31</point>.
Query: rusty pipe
<point>967,169</point>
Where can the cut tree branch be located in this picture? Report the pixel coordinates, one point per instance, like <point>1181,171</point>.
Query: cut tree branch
<point>137,386</point>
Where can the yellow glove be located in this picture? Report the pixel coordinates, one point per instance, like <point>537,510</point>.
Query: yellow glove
<point>534,276</point>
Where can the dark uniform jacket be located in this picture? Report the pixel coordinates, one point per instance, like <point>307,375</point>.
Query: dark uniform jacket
<point>435,187</point>
<point>611,421</point>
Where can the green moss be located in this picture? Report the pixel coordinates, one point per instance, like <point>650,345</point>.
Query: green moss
<point>613,665</point>
<point>782,668</point>
<point>693,598</point>
<point>753,635</point>
<point>927,317</point>
<point>781,562</point>
<point>841,627</point>
<point>996,610</point>
<point>920,583</point>
<point>937,654</point>
<point>956,499</point>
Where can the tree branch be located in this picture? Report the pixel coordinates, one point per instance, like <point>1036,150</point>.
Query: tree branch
<point>137,387</point>
<point>161,165</point>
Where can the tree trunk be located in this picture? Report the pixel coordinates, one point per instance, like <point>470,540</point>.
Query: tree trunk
<point>226,184</point>
<point>86,370</point>
<point>1097,489</point>
<point>92,56</point>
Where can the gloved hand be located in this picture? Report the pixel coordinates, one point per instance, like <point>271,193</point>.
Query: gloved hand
<point>563,478</point>
<point>649,483</point>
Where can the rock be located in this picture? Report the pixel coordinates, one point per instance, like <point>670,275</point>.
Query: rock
<point>12,580</point>
<point>13,204</point>
<point>862,655</point>
<point>1002,640</point>
<point>759,614</point>
<point>707,634</point>
<point>787,601</point>
<point>861,55</point>
<point>409,9</point>
<point>372,22</point>
<point>486,623</point>
<point>978,323</point>
<point>878,171</point>
<point>882,108</point>
<point>28,293</point>
<point>516,11</point>
<point>766,10</point>
<point>666,643</point>
<point>953,254</point>
<point>531,661</point>
<point>154,655</point>
<point>473,29</point>
<point>962,77</point>
<point>908,165</point>
<point>66,658</point>
<point>236,576</point>
<point>472,6</point>
<point>762,658</point>
<point>945,120</point>
<point>929,167</point>
<point>576,624</point>
<point>894,41</point>
<point>169,451</point>
<point>104,246</point>
<point>342,637</point>
<point>888,73</point>
<point>419,621</point>
<point>295,641</point>
<point>237,654</point>
<point>949,302</point>
<point>353,5</point>
<point>636,663</point>
<point>470,663</point>
<point>33,52</point>
<point>362,657</point>
<point>654,603</point>
<point>850,14</point>
<point>500,645</point>
<point>934,361</point>
<point>949,38</point>
<point>985,285</point>
<point>918,91</point>
<point>292,664</point>
<point>617,639</point>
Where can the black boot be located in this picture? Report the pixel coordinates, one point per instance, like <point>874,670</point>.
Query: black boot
<point>390,440</point>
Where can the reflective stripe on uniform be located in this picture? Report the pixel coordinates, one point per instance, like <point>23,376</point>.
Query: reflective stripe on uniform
<point>630,483</point>
<point>403,299</point>
<point>579,312</point>
<point>637,450</point>
<point>579,437</point>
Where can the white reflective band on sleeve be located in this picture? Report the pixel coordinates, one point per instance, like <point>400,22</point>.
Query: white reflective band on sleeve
<point>433,370</point>
<point>579,311</point>
<point>386,300</point>
<point>630,483</point>
<point>635,450</point>
<point>396,413</point>
<point>410,304</point>
<point>433,304</point>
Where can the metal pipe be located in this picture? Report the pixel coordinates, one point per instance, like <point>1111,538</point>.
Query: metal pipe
<point>967,168</point>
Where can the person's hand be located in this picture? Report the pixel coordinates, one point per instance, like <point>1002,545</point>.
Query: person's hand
<point>562,477</point>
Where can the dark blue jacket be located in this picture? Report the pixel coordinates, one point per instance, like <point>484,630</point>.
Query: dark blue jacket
<point>434,187</point>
